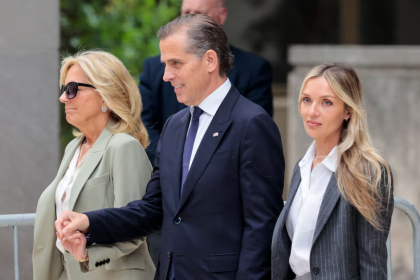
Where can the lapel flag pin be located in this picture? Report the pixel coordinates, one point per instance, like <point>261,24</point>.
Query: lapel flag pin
<point>215,134</point>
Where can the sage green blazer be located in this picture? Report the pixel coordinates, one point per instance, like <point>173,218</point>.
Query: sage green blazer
<point>115,172</point>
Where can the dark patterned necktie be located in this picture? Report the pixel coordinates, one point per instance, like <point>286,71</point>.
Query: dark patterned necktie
<point>189,143</point>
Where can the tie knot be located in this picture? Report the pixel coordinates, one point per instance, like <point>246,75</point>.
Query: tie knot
<point>197,112</point>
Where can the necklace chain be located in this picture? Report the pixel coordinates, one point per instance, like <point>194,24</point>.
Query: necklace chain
<point>81,153</point>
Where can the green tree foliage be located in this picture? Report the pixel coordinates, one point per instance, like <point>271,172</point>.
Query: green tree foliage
<point>126,28</point>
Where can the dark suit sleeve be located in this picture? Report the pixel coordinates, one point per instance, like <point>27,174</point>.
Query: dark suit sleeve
<point>259,89</point>
<point>150,113</point>
<point>261,182</point>
<point>136,220</point>
<point>371,242</point>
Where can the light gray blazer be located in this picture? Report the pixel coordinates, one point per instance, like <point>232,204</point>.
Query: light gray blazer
<point>115,173</point>
<point>345,245</point>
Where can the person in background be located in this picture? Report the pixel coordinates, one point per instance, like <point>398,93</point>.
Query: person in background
<point>337,217</point>
<point>104,166</point>
<point>251,75</point>
<point>216,189</point>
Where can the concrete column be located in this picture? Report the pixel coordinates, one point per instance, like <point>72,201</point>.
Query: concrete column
<point>29,117</point>
<point>390,77</point>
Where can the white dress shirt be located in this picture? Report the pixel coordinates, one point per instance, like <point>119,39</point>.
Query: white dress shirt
<point>65,186</point>
<point>303,214</point>
<point>210,105</point>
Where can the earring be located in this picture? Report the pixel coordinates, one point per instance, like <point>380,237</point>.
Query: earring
<point>104,109</point>
<point>347,119</point>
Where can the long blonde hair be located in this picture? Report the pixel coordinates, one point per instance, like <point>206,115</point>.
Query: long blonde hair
<point>117,88</point>
<point>363,176</point>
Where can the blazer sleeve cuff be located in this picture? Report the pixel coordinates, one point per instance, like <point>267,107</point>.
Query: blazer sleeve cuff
<point>113,258</point>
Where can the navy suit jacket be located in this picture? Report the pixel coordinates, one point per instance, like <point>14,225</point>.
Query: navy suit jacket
<point>221,226</point>
<point>251,75</point>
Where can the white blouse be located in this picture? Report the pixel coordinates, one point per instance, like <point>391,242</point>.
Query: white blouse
<point>64,187</point>
<point>303,214</point>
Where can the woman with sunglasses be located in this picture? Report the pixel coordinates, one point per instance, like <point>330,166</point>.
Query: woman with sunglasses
<point>104,166</point>
<point>337,217</point>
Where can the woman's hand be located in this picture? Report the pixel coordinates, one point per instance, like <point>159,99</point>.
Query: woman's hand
<point>69,222</point>
<point>75,244</point>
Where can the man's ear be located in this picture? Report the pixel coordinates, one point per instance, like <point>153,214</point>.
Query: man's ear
<point>211,60</point>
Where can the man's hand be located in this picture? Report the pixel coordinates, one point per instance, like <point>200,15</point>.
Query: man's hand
<point>69,222</point>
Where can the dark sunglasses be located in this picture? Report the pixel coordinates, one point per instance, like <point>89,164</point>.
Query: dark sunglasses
<point>71,89</point>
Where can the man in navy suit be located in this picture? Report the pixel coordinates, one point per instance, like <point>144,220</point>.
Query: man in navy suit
<point>216,189</point>
<point>251,75</point>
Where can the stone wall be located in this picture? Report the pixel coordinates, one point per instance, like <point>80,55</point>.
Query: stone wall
<point>29,117</point>
<point>390,77</point>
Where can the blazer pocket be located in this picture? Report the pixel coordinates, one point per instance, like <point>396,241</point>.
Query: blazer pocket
<point>223,262</point>
<point>97,181</point>
<point>131,261</point>
<point>227,154</point>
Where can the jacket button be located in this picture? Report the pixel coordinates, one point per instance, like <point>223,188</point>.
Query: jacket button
<point>177,220</point>
<point>169,254</point>
<point>96,264</point>
<point>315,270</point>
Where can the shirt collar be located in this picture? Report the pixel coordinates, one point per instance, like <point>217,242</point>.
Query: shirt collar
<point>211,104</point>
<point>330,161</point>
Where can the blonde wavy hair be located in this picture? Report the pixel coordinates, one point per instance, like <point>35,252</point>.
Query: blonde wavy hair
<point>363,176</point>
<point>117,88</point>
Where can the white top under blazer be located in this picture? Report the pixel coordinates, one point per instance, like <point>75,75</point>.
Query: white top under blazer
<point>64,187</point>
<point>303,215</point>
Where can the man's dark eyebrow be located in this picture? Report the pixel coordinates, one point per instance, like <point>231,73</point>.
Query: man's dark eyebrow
<point>171,60</point>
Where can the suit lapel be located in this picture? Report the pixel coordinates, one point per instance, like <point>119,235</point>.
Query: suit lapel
<point>294,186</point>
<point>91,161</point>
<point>220,123</point>
<point>68,156</point>
<point>48,197</point>
<point>48,203</point>
<point>178,150</point>
<point>332,194</point>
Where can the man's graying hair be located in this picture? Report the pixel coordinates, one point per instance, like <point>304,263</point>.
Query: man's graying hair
<point>203,34</point>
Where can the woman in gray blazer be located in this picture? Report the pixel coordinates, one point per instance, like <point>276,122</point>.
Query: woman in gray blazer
<point>337,217</point>
<point>104,166</point>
